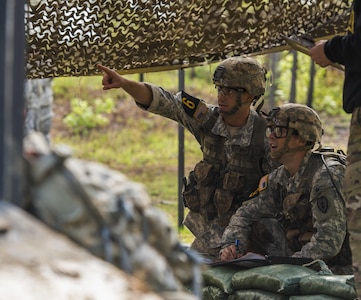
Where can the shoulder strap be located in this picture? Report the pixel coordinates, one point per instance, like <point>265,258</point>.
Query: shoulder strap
<point>212,120</point>
<point>258,141</point>
<point>328,152</point>
<point>258,131</point>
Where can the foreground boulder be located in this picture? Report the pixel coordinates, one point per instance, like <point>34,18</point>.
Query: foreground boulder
<point>38,263</point>
<point>108,214</point>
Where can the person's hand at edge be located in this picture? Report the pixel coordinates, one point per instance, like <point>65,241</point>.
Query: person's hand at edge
<point>317,53</point>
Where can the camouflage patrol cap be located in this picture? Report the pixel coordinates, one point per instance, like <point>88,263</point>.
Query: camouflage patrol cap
<point>299,117</point>
<point>241,72</point>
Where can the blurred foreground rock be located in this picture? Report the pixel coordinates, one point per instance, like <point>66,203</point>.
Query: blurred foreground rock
<point>111,216</point>
<point>38,263</point>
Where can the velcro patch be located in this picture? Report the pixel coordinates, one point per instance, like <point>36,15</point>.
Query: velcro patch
<point>322,204</point>
<point>263,183</point>
<point>193,107</point>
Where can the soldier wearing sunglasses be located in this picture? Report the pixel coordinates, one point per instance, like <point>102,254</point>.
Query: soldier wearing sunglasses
<point>299,208</point>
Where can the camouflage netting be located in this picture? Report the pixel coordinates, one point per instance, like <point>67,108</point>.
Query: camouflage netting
<point>69,37</point>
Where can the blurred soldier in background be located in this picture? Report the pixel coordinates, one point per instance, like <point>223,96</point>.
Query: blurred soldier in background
<point>302,201</point>
<point>346,50</point>
<point>231,136</point>
<point>38,106</point>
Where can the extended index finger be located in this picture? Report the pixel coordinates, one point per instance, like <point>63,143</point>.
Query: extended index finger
<point>105,69</point>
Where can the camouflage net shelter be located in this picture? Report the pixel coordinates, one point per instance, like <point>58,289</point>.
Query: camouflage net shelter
<point>69,37</point>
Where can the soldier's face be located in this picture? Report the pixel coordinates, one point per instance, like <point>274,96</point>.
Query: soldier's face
<point>231,100</point>
<point>227,99</point>
<point>283,143</point>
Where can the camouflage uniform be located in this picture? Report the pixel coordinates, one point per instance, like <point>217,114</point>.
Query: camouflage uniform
<point>345,49</point>
<point>352,103</point>
<point>353,192</point>
<point>227,159</point>
<point>309,206</point>
<point>325,210</point>
<point>39,100</point>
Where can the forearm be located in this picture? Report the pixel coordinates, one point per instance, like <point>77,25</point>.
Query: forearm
<point>325,244</point>
<point>141,93</point>
<point>237,233</point>
<point>239,228</point>
<point>345,50</point>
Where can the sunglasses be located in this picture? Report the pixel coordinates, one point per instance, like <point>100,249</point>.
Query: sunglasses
<point>279,131</point>
<point>227,91</point>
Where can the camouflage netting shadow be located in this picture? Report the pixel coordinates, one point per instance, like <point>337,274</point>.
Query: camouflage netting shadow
<point>68,38</point>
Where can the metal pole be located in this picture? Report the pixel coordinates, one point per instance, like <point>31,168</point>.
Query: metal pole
<point>180,158</point>
<point>12,74</point>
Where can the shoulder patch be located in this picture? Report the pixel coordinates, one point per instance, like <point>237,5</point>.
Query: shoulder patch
<point>262,185</point>
<point>322,204</point>
<point>194,107</point>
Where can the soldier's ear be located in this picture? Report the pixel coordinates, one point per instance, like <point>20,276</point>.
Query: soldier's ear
<point>301,141</point>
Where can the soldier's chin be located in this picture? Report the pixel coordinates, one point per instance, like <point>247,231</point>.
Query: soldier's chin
<point>276,154</point>
<point>224,112</point>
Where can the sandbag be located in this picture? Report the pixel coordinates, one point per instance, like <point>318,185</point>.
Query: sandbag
<point>256,295</point>
<point>314,297</point>
<point>282,278</point>
<point>220,277</point>
<point>213,293</point>
<point>341,286</point>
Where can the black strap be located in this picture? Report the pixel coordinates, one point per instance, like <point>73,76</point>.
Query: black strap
<point>266,260</point>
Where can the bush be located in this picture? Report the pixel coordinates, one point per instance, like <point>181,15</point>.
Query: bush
<point>84,116</point>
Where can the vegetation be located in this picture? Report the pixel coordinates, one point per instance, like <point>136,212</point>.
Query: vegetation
<point>106,126</point>
<point>84,117</point>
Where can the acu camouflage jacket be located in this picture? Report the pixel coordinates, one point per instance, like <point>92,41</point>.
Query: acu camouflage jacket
<point>232,164</point>
<point>310,201</point>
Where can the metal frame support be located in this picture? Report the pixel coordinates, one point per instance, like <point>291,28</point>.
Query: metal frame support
<point>180,158</point>
<point>12,75</point>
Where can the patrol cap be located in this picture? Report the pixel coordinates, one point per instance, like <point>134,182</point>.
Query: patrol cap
<point>241,72</point>
<point>299,117</point>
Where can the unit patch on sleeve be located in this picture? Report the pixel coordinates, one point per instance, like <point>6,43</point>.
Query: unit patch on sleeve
<point>322,204</point>
<point>263,184</point>
<point>194,107</point>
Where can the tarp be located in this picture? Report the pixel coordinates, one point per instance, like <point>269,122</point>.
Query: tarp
<point>69,37</point>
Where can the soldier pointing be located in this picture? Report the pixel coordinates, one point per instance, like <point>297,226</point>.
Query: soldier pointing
<point>231,136</point>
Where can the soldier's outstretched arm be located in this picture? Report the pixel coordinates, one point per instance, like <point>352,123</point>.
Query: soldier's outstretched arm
<point>141,93</point>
